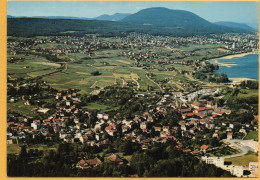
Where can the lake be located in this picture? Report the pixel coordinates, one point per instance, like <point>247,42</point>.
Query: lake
<point>246,67</point>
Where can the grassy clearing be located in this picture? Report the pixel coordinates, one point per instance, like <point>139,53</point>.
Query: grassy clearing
<point>243,160</point>
<point>244,93</point>
<point>13,149</point>
<point>16,148</point>
<point>252,135</point>
<point>100,107</point>
<point>21,108</point>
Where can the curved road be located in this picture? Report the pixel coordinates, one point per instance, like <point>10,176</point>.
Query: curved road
<point>235,142</point>
<point>137,83</point>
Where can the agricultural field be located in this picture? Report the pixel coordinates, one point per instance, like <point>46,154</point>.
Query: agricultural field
<point>113,67</point>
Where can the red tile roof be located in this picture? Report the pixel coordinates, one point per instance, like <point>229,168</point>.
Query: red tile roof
<point>203,109</point>
<point>204,147</point>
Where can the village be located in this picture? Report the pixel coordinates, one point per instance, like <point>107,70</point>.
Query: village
<point>198,122</point>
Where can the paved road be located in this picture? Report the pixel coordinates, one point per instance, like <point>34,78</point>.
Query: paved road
<point>235,142</point>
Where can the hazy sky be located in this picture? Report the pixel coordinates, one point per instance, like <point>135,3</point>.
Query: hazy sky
<point>246,12</point>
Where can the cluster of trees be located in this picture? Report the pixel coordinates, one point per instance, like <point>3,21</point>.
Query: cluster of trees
<point>163,160</point>
<point>249,84</point>
<point>95,73</point>
<point>206,74</point>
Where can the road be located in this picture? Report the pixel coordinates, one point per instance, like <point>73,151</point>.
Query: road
<point>138,85</point>
<point>155,83</point>
<point>235,142</point>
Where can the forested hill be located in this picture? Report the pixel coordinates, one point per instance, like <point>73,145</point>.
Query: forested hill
<point>155,21</point>
<point>236,25</point>
<point>166,17</point>
<point>179,19</point>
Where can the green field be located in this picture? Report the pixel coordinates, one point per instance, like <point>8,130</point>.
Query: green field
<point>100,107</point>
<point>114,67</point>
<point>252,135</point>
<point>13,149</point>
<point>248,93</point>
<point>243,160</point>
<point>21,108</point>
<point>16,148</point>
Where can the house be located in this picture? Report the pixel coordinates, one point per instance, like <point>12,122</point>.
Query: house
<point>143,125</point>
<point>195,152</point>
<point>35,125</point>
<point>100,116</point>
<point>212,104</point>
<point>116,159</point>
<point>144,147</point>
<point>242,131</point>
<point>217,112</point>
<point>253,166</point>
<point>106,116</point>
<point>204,111</point>
<point>197,105</point>
<point>111,132</point>
<point>166,128</point>
<point>229,135</point>
<point>231,125</point>
<point>189,115</point>
<point>83,139</point>
<point>125,128</point>
<point>210,125</point>
<point>157,129</point>
<point>85,164</point>
<point>204,148</point>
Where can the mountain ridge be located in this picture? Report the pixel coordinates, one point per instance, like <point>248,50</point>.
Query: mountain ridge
<point>154,21</point>
<point>235,25</point>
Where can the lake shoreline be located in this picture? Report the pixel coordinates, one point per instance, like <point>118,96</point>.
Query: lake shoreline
<point>239,80</point>
<point>234,80</point>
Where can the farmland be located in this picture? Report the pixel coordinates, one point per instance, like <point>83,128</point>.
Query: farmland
<point>114,68</point>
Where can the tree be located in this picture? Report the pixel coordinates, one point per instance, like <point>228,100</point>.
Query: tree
<point>95,73</point>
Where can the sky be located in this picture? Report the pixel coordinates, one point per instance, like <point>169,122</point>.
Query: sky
<point>236,11</point>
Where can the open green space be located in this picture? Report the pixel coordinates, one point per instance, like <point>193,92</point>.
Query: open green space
<point>243,160</point>
<point>13,149</point>
<point>100,107</point>
<point>223,151</point>
<point>252,135</point>
<point>16,148</point>
<point>21,108</point>
<point>244,93</point>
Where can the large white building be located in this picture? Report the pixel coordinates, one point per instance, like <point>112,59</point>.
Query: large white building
<point>253,166</point>
<point>217,161</point>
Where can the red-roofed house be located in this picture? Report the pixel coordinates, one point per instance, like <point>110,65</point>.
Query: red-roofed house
<point>205,111</point>
<point>204,148</point>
